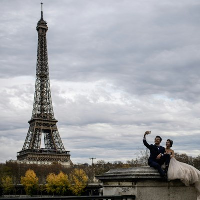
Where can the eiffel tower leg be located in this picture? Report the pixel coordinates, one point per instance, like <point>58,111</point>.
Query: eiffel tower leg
<point>57,140</point>
<point>37,139</point>
<point>29,137</point>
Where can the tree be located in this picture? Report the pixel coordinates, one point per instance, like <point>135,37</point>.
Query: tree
<point>62,183</point>
<point>143,157</point>
<point>197,162</point>
<point>184,158</point>
<point>77,181</point>
<point>57,184</point>
<point>7,184</point>
<point>51,183</point>
<point>30,182</point>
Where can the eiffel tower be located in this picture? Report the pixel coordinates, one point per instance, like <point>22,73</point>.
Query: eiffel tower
<point>43,122</point>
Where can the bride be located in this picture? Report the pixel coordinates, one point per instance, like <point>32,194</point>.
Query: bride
<point>179,170</point>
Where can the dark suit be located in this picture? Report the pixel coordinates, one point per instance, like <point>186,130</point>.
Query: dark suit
<point>154,152</point>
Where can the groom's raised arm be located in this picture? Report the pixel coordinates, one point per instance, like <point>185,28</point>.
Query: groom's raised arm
<point>145,141</point>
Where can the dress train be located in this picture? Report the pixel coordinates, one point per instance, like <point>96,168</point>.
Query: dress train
<point>186,173</point>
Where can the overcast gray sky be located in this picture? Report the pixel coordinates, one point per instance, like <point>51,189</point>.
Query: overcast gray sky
<point>117,69</point>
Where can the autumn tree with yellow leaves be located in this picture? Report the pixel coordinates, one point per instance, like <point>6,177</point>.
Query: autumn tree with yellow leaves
<point>57,184</point>
<point>30,182</point>
<point>77,181</point>
<point>51,183</point>
<point>7,184</point>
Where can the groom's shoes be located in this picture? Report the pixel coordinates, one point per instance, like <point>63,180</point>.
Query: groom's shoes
<point>164,178</point>
<point>166,170</point>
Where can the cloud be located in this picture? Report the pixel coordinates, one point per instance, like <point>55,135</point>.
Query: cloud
<point>117,69</point>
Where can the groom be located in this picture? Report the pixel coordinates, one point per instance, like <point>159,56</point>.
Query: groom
<point>157,155</point>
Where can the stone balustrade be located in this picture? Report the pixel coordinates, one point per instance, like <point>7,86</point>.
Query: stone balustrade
<point>145,183</point>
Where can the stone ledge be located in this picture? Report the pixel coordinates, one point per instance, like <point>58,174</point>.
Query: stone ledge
<point>145,183</point>
<point>145,172</point>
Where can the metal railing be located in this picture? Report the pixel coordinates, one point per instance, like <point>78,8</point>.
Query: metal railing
<point>123,197</point>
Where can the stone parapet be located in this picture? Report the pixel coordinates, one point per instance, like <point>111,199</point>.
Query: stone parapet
<point>145,183</point>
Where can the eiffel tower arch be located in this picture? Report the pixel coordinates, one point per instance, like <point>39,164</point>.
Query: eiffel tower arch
<point>43,123</point>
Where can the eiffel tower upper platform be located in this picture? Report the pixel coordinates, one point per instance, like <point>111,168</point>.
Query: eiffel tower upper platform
<point>42,123</point>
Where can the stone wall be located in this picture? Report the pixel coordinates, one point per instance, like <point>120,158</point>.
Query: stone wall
<point>146,184</point>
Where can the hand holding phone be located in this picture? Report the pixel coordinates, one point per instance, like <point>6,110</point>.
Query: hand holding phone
<point>147,132</point>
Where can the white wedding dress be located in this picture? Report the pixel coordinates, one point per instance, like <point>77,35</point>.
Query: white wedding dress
<point>186,173</point>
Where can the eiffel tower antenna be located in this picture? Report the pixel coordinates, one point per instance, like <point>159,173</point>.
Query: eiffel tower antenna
<point>41,10</point>
<point>43,122</point>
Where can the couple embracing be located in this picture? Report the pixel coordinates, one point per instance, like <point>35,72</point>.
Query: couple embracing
<point>173,168</point>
